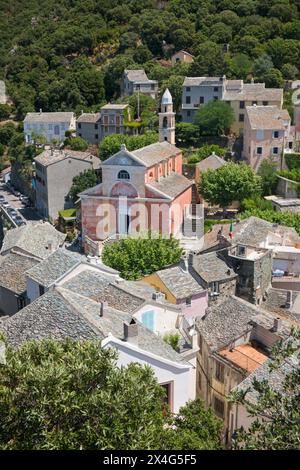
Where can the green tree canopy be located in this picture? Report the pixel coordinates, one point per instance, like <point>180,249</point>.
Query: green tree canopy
<point>231,182</point>
<point>268,173</point>
<point>214,118</point>
<point>77,143</point>
<point>138,257</point>
<point>87,179</point>
<point>72,396</point>
<point>111,144</point>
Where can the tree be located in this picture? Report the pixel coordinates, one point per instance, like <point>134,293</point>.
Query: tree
<point>71,395</point>
<point>209,60</point>
<point>6,133</point>
<point>275,410</point>
<point>214,118</point>
<point>268,173</point>
<point>77,143</point>
<point>232,182</point>
<point>138,257</point>
<point>111,144</point>
<point>174,84</point>
<point>262,65</point>
<point>290,72</point>
<point>186,133</point>
<point>273,78</point>
<point>5,111</point>
<point>207,149</point>
<point>87,179</point>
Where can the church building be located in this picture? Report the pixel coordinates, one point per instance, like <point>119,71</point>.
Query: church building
<point>141,190</point>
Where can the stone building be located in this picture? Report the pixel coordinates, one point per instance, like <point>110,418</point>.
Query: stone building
<point>267,135</point>
<point>182,56</point>
<point>135,81</point>
<point>55,170</point>
<point>88,127</point>
<point>254,269</point>
<point>51,126</point>
<point>235,339</point>
<point>215,274</point>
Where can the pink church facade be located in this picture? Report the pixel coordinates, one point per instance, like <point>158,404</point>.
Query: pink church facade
<point>141,190</point>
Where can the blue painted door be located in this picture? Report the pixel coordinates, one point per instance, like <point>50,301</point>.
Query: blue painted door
<point>148,319</point>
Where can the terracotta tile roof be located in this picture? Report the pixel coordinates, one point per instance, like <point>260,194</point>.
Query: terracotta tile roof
<point>245,357</point>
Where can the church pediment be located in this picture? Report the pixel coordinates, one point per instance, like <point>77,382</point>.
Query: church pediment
<point>123,158</point>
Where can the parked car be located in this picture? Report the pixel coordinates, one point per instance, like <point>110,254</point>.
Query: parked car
<point>2,199</point>
<point>5,204</point>
<point>19,220</point>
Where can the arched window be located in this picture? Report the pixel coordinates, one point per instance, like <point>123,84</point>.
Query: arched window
<point>165,122</point>
<point>123,175</point>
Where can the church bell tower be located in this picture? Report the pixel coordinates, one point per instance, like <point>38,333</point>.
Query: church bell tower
<point>167,119</point>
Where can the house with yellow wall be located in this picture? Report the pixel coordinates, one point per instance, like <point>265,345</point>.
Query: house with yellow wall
<point>180,288</point>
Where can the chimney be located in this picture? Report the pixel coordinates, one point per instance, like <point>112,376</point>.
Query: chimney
<point>41,110</point>
<point>103,307</point>
<point>289,296</point>
<point>50,246</point>
<point>252,80</point>
<point>131,331</point>
<point>277,324</point>
<point>194,338</point>
<point>185,266</point>
<point>82,111</point>
<point>123,147</point>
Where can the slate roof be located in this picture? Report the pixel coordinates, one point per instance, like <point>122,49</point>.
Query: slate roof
<point>33,239</point>
<point>53,267</point>
<point>89,117</point>
<point>171,185</point>
<point>138,75</point>
<point>98,287</point>
<point>123,157</point>
<point>275,301</point>
<point>155,153</point>
<point>254,231</point>
<point>213,162</point>
<point>180,283</point>
<point>63,314</point>
<point>267,117</point>
<point>233,317</point>
<point>109,106</point>
<point>49,117</point>
<point>48,157</point>
<point>254,92</point>
<point>197,81</point>
<point>12,271</point>
<point>212,267</point>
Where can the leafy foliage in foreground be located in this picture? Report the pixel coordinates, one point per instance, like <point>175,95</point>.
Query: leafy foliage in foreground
<point>71,395</point>
<point>138,257</point>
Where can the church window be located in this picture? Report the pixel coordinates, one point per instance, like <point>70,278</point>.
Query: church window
<point>123,175</point>
<point>165,122</point>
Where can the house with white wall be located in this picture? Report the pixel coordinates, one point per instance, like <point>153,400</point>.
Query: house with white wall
<point>51,126</point>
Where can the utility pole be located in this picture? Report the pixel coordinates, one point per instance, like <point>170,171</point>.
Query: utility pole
<point>138,104</point>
